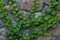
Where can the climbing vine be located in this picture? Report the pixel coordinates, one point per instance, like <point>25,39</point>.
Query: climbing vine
<point>42,23</point>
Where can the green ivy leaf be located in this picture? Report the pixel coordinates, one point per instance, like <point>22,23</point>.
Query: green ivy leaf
<point>58,17</point>
<point>58,7</point>
<point>48,9</point>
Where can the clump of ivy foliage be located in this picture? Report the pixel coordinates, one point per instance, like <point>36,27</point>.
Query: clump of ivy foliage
<point>43,23</point>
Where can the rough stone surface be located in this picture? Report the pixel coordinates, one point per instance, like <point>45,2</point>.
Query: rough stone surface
<point>37,14</point>
<point>2,33</point>
<point>1,37</point>
<point>25,32</point>
<point>13,23</point>
<point>1,23</point>
<point>56,38</point>
<point>56,31</point>
<point>26,4</point>
<point>46,1</point>
<point>8,7</point>
<point>44,38</point>
<point>11,17</point>
<point>5,2</point>
<point>19,2</point>
<point>53,38</point>
<point>24,13</point>
<point>40,4</point>
<point>59,2</point>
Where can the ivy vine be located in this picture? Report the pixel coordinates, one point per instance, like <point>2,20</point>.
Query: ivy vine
<point>43,23</point>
